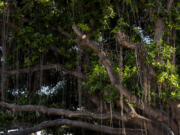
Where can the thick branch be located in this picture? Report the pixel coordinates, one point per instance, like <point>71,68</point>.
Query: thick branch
<point>46,67</point>
<point>57,51</point>
<point>77,124</point>
<point>63,112</point>
<point>64,32</point>
<point>16,126</point>
<point>122,41</point>
<point>107,64</point>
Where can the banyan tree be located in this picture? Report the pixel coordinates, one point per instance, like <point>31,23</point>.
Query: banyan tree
<point>83,67</point>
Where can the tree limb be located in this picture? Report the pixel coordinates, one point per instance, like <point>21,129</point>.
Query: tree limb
<point>57,51</point>
<point>45,67</point>
<point>16,126</point>
<point>77,124</point>
<point>63,32</point>
<point>63,112</point>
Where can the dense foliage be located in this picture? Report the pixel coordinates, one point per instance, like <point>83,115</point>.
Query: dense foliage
<point>45,62</point>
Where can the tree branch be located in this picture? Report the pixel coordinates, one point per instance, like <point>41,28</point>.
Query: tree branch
<point>63,32</point>
<point>122,41</point>
<point>67,113</point>
<point>45,67</point>
<point>77,124</point>
<point>16,125</point>
<point>57,51</point>
<point>102,55</point>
